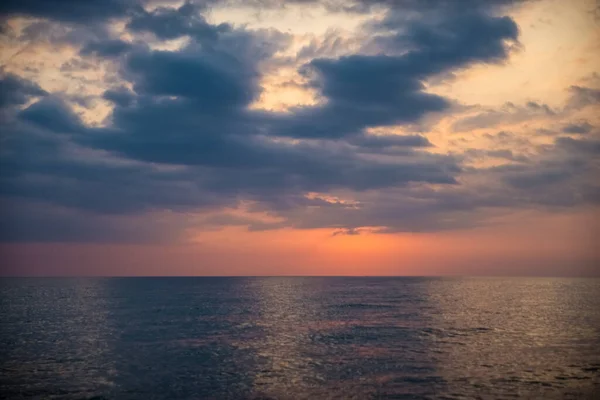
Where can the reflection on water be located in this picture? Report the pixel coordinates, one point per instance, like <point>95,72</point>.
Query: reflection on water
<point>295,338</point>
<point>56,339</point>
<point>531,336</point>
<point>285,309</point>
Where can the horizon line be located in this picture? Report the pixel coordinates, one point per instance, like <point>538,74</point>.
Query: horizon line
<point>303,276</point>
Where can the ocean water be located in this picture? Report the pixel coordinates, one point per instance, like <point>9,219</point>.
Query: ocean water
<point>299,338</point>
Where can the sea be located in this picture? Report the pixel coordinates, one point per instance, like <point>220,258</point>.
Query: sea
<point>299,338</point>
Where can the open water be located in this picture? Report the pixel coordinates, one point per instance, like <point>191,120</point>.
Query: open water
<point>299,338</point>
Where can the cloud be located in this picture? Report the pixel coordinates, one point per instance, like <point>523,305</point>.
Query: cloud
<point>183,135</point>
<point>584,146</point>
<point>509,113</point>
<point>15,91</point>
<point>381,142</point>
<point>582,96</point>
<point>44,162</point>
<point>67,11</point>
<point>532,179</point>
<point>578,128</point>
<point>53,114</point>
<point>37,221</point>
<point>347,232</point>
<point>171,23</point>
<point>192,109</point>
<point>120,96</point>
<point>107,48</point>
<point>211,79</point>
<point>563,174</point>
<point>361,91</point>
<point>505,154</point>
<point>368,6</point>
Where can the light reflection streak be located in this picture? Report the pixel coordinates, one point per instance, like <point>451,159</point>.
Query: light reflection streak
<point>513,332</point>
<point>287,308</point>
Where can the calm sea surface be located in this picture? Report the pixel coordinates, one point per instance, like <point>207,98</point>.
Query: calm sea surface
<point>299,338</point>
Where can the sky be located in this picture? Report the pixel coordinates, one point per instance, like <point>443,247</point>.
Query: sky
<point>300,137</point>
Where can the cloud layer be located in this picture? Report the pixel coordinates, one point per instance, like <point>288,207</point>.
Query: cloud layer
<point>183,135</point>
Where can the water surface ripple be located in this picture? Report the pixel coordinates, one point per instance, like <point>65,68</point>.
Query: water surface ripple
<point>299,338</point>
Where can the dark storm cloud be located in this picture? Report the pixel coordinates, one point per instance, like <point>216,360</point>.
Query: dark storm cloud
<point>191,109</point>
<point>172,23</point>
<point>398,210</point>
<point>107,48</point>
<point>584,146</point>
<point>53,114</point>
<point>168,22</point>
<point>120,96</point>
<point>361,91</point>
<point>211,79</point>
<point>80,11</point>
<point>579,128</point>
<point>561,175</point>
<point>15,91</point>
<point>447,41</point>
<point>582,96</point>
<point>387,141</point>
<point>253,163</point>
<point>189,106</point>
<point>36,221</point>
<point>44,163</point>
<point>536,178</point>
<point>43,166</point>
<point>182,137</point>
<point>378,90</point>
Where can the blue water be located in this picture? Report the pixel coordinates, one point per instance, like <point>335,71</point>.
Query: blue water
<point>299,338</point>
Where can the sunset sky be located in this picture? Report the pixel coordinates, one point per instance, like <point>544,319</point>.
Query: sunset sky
<point>300,137</point>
